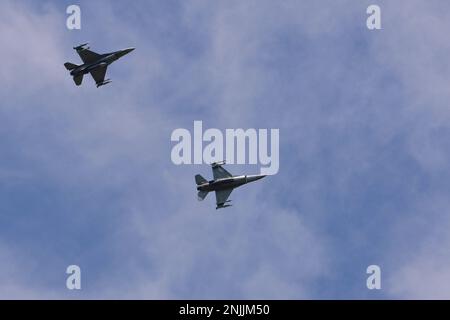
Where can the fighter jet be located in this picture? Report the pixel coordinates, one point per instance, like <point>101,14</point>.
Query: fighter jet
<point>223,184</point>
<point>93,63</point>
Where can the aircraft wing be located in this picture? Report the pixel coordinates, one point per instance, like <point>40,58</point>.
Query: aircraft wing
<point>219,172</point>
<point>88,56</point>
<point>222,196</point>
<point>99,74</point>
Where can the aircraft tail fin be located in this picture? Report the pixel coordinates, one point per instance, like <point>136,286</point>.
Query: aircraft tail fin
<point>78,79</point>
<point>202,195</point>
<point>200,180</point>
<point>70,66</point>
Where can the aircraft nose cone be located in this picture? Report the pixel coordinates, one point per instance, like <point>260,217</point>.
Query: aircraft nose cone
<point>123,52</point>
<point>255,177</point>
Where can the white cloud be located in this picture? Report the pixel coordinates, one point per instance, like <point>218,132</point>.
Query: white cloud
<point>420,252</point>
<point>32,53</point>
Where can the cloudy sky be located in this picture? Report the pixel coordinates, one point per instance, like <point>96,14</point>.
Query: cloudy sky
<point>86,176</point>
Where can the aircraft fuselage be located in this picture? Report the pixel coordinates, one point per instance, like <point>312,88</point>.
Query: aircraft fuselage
<point>228,183</point>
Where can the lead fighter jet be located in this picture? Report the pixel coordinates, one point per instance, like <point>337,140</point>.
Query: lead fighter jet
<point>93,63</point>
<point>223,184</point>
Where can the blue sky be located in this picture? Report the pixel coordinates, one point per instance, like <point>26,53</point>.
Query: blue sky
<point>86,176</point>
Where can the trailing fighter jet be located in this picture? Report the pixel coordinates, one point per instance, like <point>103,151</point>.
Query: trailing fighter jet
<point>223,184</point>
<point>93,63</point>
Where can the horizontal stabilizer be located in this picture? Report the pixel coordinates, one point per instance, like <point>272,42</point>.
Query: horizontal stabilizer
<point>202,195</point>
<point>200,180</point>
<point>78,79</point>
<point>70,66</point>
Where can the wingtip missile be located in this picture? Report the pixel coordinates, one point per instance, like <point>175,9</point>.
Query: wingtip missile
<point>219,163</point>
<point>103,83</point>
<point>224,205</point>
<point>81,47</point>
